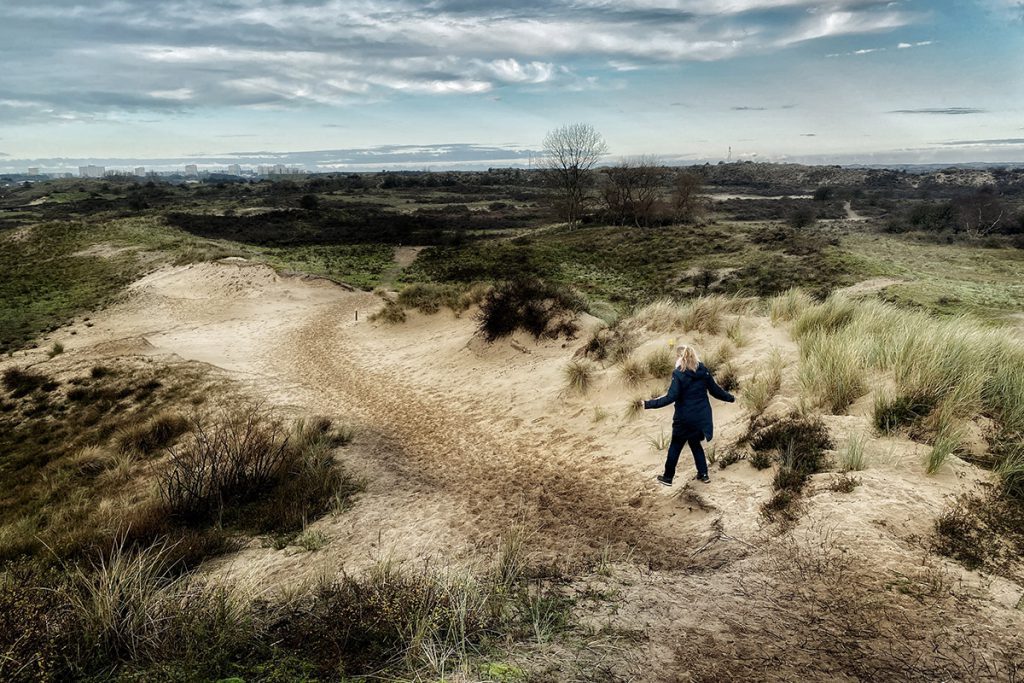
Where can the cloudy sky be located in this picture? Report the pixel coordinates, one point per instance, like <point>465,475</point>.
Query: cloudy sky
<point>351,83</point>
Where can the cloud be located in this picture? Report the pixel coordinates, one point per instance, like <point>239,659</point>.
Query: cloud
<point>943,111</point>
<point>998,142</point>
<point>81,61</point>
<point>808,135</point>
<point>451,155</point>
<point>750,108</point>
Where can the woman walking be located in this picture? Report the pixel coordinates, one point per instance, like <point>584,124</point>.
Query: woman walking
<point>692,422</point>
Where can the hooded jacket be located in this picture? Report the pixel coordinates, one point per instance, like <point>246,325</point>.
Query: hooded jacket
<point>689,391</point>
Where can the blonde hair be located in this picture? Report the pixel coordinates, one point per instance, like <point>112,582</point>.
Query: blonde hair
<point>688,358</point>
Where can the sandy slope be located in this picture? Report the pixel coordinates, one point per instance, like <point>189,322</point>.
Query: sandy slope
<point>458,440</point>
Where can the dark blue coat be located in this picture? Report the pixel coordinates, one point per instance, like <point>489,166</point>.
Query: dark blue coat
<point>689,391</point>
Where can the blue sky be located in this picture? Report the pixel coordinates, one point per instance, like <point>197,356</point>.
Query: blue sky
<point>361,84</point>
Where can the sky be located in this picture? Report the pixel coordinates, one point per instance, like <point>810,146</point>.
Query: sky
<point>367,84</point>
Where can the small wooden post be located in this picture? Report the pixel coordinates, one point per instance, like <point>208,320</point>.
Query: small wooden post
<point>357,315</point>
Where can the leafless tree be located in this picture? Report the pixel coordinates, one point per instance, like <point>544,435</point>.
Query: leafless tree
<point>980,214</point>
<point>570,153</point>
<point>687,203</point>
<point>631,193</point>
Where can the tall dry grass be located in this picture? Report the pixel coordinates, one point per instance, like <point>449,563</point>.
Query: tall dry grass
<point>951,369</point>
<point>704,314</point>
<point>759,390</point>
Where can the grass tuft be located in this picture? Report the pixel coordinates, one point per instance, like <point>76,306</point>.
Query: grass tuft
<point>760,389</point>
<point>579,376</point>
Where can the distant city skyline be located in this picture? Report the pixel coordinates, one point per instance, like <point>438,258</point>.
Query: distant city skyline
<point>336,85</point>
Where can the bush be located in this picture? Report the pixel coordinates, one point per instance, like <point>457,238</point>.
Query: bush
<point>531,305</point>
<point>246,469</point>
<point>633,372</point>
<point>23,382</point>
<point>429,298</point>
<point>803,217</point>
<point>892,413</point>
<point>391,314</point>
<point>802,439</point>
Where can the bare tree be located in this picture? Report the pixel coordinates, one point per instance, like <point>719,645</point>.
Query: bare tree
<point>686,199</point>
<point>980,214</point>
<point>631,193</point>
<point>570,152</point>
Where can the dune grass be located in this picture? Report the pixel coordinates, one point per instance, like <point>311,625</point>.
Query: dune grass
<point>787,306</point>
<point>831,371</point>
<point>764,386</point>
<point>943,370</point>
<point>579,376</point>
<point>660,363</point>
<point>852,459</point>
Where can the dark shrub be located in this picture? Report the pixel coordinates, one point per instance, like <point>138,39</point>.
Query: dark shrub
<point>801,440</point>
<point>528,304</point>
<point>23,382</point>
<point>893,414</point>
<point>803,217</point>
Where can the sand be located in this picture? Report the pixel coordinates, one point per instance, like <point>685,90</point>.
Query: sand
<point>458,440</point>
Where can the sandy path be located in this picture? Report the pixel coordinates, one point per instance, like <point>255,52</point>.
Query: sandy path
<point>438,442</point>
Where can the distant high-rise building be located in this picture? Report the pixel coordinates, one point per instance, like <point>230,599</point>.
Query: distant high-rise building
<point>140,170</point>
<point>280,169</point>
<point>33,170</point>
<point>235,169</point>
<point>192,170</point>
<point>91,171</point>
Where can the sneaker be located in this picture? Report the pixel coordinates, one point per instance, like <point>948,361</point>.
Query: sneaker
<point>663,481</point>
<point>704,478</point>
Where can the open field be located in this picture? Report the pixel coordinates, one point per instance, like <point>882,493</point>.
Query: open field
<point>224,456</point>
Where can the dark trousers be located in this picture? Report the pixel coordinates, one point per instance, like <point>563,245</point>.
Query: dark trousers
<point>685,434</point>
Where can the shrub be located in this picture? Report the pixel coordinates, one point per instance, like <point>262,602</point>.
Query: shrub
<point>579,376</point>
<point>391,314</point>
<point>55,350</point>
<point>730,457</point>
<point>247,469</point>
<point>844,484</point>
<point>803,217</point>
<point>802,439</point>
<point>892,413</point>
<point>23,382</point>
<point>531,305</point>
<point>760,460</point>
<point>429,298</point>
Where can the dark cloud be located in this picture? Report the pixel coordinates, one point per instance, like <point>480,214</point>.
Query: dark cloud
<point>750,108</point>
<point>944,111</point>
<point>991,143</point>
<point>808,135</point>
